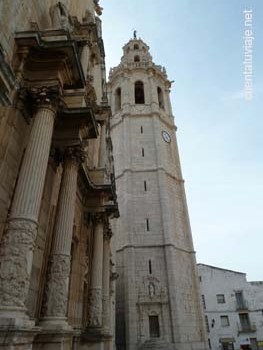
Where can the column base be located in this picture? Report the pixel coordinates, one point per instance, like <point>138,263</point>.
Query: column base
<point>95,339</point>
<point>55,323</point>
<point>53,339</point>
<point>15,317</point>
<point>17,338</point>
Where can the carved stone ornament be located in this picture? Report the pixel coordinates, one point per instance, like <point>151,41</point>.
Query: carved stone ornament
<point>86,272</point>
<point>90,95</point>
<point>56,292</point>
<point>60,16</point>
<point>47,96</point>
<point>99,218</point>
<point>77,153</point>
<point>107,234</point>
<point>95,308</point>
<point>31,98</point>
<point>15,254</point>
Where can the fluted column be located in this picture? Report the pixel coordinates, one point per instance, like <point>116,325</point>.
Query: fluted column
<point>16,252</point>
<point>95,292</point>
<point>57,287</point>
<point>106,281</point>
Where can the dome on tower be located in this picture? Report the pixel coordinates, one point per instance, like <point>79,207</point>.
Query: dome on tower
<point>136,55</point>
<point>136,50</point>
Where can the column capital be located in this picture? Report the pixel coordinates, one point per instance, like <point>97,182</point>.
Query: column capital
<point>33,98</point>
<point>107,234</point>
<point>99,217</point>
<point>76,153</point>
<point>47,97</point>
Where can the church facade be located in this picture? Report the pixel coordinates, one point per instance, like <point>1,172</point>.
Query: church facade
<point>59,223</point>
<point>157,292</point>
<point>57,188</point>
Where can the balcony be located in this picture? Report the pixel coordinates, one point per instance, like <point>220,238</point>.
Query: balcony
<point>246,328</point>
<point>241,305</point>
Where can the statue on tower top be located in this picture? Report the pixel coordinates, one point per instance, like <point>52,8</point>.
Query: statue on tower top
<point>135,34</point>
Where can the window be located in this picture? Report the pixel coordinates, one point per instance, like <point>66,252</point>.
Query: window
<point>227,346</point>
<point>145,186</point>
<point>137,58</point>
<point>139,92</point>
<point>154,326</point>
<point>244,321</point>
<point>142,151</point>
<point>147,225</point>
<point>150,267</point>
<point>209,343</point>
<point>241,304</point>
<point>117,99</point>
<point>160,97</point>
<point>207,324</point>
<point>136,47</point>
<point>141,130</point>
<point>203,302</point>
<point>224,321</point>
<point>220,298</point>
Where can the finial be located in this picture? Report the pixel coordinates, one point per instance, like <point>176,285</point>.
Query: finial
<point>135,34</point>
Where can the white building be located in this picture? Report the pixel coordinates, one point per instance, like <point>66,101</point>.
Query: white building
<point>233,309</point>
<point>157,290</point>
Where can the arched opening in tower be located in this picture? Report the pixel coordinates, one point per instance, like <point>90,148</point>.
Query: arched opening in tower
<point>139,92</point>
<point>160,97</point>
<point>117,99</point>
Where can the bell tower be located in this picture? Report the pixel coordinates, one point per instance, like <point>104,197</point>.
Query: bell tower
<point>158,300</point>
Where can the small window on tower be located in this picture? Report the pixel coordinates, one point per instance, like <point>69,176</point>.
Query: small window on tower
<point>150,267</point>
<point>118,99</point>
<point>137,58</point>
<point>141,130</point>
<point>160,97</point>
<point>139,92</point>
<point>147,225</point>
<point>136,47</point>
<point>145,186</point>
<point>142,152</point>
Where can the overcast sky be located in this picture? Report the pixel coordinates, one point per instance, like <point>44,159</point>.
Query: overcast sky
<point>201,44</point>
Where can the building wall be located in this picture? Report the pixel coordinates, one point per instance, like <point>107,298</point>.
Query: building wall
<point>214,281</point>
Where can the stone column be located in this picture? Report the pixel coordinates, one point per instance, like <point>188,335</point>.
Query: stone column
<point>57,287</point>
<point>103,147</point>
<point>106,281</point>
<point>16,252</point>
<point>95,292</point>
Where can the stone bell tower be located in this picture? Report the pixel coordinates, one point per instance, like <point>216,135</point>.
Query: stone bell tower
<point>157,289</point>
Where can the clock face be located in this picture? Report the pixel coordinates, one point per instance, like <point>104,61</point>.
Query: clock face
<point>166,136</point>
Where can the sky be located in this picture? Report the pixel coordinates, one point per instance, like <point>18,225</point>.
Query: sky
<point>201,44</point>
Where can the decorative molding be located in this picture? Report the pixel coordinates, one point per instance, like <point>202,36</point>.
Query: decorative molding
<point>55,302</point>
<point>15,254</point>
<point>76,153</point>
<point>95,308</point>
